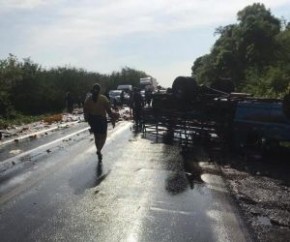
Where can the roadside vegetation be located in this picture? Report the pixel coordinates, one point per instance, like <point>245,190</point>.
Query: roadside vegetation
<point>28,91</point>
<point>252,55</point>
<point>19,119</point>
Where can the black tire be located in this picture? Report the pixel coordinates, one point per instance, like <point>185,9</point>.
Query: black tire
<point>185,88</point>
<point>286,105</point>
<point>163,102</point>
<point>253,139</point>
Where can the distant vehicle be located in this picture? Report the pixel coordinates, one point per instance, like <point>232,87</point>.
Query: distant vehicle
<point>115,97</point>
<point>148,83</point>
<point>126,88</point>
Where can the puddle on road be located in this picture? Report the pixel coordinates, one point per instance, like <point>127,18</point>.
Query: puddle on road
<point>176,183</point>
<point>181,181</point>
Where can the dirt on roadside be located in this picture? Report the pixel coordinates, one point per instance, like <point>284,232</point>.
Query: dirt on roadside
<point>260,184</point>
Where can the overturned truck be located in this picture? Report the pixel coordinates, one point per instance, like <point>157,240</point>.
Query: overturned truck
<point>190,111</point>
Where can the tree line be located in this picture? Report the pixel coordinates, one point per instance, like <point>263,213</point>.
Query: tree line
<point>252,55</point>
<point>29,89</point>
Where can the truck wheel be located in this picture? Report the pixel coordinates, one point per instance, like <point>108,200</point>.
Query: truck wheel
<point>184,88</point>
<point>286,105</point>
<point>254,139</point>
<point>272,144</point>
<point>163,102</point>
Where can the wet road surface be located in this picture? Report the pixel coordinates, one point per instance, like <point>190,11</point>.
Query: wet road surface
<point>144,191</point>
<point>16,146</point>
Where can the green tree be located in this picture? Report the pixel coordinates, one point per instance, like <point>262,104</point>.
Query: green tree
<point>27,88</point>
<point>10,73</point>
<point>250,52</point>
<point>256,33</point>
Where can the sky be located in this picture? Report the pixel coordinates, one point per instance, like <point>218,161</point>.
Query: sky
<point>160,37</point>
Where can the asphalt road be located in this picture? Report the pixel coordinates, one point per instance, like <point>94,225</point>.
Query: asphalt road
<point>145,190</point>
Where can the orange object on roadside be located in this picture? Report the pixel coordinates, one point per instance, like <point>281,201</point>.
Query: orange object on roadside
<point>53,118</point>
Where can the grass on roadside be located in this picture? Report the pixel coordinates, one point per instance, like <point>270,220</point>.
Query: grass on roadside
<point>20,119</point>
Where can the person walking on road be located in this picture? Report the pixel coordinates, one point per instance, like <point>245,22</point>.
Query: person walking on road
<point>96,106</point>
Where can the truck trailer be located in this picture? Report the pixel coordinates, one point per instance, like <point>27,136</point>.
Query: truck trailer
<point>238,119</point>
<point>148,83</point>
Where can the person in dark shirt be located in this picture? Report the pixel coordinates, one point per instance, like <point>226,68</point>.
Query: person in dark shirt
<point>148,97</point>
<point>122,99</point>
<point>69,102</point>
<point>137,105</point>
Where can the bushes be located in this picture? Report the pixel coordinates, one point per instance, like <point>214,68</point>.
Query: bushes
<point>18,119</point>
<point>28,89</point>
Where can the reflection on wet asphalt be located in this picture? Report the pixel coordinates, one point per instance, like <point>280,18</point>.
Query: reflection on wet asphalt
<point>144,190</point>
<point>9,150</point>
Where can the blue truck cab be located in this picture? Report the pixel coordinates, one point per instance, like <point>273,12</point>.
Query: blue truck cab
<point>260,121</point>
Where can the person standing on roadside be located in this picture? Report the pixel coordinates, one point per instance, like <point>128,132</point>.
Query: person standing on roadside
<point>137,104</point>
<point>122,99</point>
<point>69,102</point>
<point>148,97</point>
<point>96,106</point>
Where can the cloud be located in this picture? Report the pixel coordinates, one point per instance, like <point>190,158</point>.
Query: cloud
<point>103,19</point>
<point>24,4</point>
<point>97,22</point>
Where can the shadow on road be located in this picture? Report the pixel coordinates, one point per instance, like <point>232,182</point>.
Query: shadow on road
<point>273,163</point>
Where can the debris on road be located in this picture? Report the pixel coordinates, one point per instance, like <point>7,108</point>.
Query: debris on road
<point>264,200</point>
<point>15,152</point>
<point>63,120</point>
